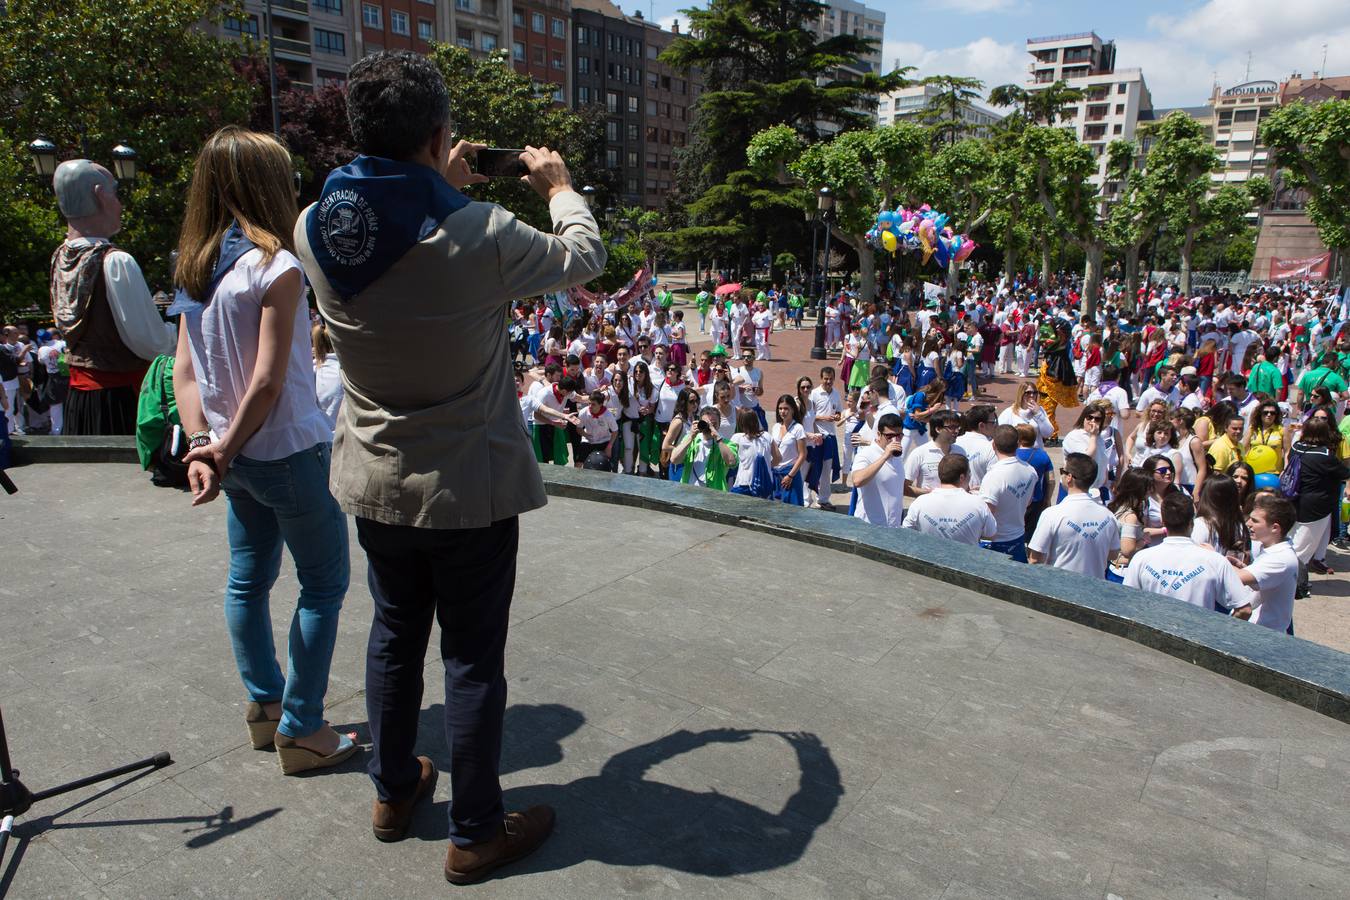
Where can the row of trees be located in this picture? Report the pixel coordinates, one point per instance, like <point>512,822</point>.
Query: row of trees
<point>1029,189</point>
<point>89,74</point>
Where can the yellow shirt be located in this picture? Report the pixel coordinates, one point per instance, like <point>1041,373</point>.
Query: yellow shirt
<point>1273,437</point>
<point>1224,453</point>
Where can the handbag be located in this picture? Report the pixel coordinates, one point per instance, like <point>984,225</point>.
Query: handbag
<point>1293,472</point>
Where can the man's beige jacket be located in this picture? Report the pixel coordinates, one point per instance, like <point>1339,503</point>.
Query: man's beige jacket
<point>430,434</point>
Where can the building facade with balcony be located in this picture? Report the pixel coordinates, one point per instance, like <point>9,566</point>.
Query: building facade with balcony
<point>541,43</point>
<point>668,111</point>
<point>479,26</point>
<point>908,103</point>
<point>313,39</point>
<point>1114,98</point>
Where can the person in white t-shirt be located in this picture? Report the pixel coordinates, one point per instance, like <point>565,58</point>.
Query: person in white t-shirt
<point>598,429</point>
<point>1078,534</point>
<point>752,444</point>
<point>1273,574</point>
<point>878,475</point>
<point>1165,390</point>
<point>824,457</point>
<point>949,511</point>
<point>921,463</point>
<point>1007,487</point>
<point>1181,568</point>
<point>979,423</point>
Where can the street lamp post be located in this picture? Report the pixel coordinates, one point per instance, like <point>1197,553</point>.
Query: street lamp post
<point>588,194</point>
<point>44,155</point>
<point>825,206</point>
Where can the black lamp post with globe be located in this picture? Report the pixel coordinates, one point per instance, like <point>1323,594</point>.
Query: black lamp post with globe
<point>43,151</point>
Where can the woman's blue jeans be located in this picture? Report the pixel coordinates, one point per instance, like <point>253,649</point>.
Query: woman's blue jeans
<point>271,502</point>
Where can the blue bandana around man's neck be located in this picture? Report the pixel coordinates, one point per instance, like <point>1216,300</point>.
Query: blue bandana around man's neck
<point>233,245</point>
<point>370,213</point>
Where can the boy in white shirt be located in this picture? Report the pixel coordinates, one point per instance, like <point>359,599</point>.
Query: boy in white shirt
<point>949,511</point>
<point>829,411</point>
<point>1007,487</point>
<point>878,475</point>
<point>1274,572</point>
<point>1079,534</point>
<point>1181,568</point>
<point>598,429</point>
<point>921,465</point>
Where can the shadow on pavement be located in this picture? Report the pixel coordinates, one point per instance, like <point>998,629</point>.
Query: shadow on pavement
<point>628,816</point>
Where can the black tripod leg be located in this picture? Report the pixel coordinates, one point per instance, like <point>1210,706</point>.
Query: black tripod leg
<point>6,826</point>
<point>158,761</point>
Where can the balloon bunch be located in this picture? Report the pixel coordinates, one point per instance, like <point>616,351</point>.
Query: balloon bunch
<point>922,230</point>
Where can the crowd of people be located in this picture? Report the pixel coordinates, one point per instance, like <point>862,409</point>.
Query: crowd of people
<point>1216,420</point>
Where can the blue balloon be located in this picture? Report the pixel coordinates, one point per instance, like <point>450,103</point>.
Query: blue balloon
<point>1267,480</point>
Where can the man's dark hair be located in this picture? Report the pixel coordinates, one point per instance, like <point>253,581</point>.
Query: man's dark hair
<point>552,368</point>
<point>891,421</point>
<point>1082,467</point>
<point>396,99</point>
<point>944,418</point>
<point>979,415</point>
<point>952,468</point>
<point>1178,513</point>
<point>1190,382</point>
<point>569,383</point>
<point>572,359</point>
<point>1005,440</point>
<point>1278,510</point>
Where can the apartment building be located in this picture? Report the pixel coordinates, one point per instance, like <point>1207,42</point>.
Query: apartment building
<point>541,43</point>
<point>910,102</point>
<point>848,17</point>
<point>609,57</point>
<point>668,111</point>
<point>315,41</point>
<point>1114,98</point>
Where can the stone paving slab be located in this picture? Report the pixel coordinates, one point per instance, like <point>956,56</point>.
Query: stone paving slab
<point>714,711</point>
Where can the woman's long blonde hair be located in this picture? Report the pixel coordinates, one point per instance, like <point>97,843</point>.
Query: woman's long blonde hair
<point>240,176</point>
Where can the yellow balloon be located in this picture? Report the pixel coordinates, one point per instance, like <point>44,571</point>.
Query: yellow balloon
<point>888,241</point>
<point>1263,459</point>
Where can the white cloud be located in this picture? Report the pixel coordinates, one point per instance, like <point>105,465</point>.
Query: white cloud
<point>979,6</point>
<point>1240,25</point>
<point>984,58</point>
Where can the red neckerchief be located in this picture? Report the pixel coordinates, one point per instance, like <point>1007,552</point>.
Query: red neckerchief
<point>558,394</point>
<point>702,376</point>
<point>673,384</point>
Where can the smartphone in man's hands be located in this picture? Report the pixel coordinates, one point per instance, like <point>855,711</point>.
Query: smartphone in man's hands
<point>500,163</point>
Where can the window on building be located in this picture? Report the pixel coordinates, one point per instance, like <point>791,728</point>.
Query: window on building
<point>612,130</point>
<point>631,185</point>
<point>464,37</point>
<point>559,28</point>
<point>665,110</point>
<point>247,26</point>
<point>583,94</point>
<point>332,7</point>
<point>1122,88</point>
<point>612,158</point>
<point>464,4</point>
<point>628,46</point>
<point>557,93</point>
<point>632,103</point>
<point>1245,115</point>
<point>679,139</point>
<point>537,54</point>
<point>652,134</point>
<point>518,18</point>
<point>537,22</point>
<point>1225,118</point>
<point>583,65</point>
<point>557,60</point>
<point>330,79</point>
<point>518,51</point>
<point>652,79</point>
<point>653,51</point>
<point>651,161</point>
<point>488,41</point>
<point>651,107</point>
<point>665,135</point>
<point>612,101</point>
<point>583,35</point>
<point>330,42</point>
<point>632,159</point>
<point>632,131</point>
<point>681,86</point>
<point>611,70</point>
<point>680,113</point>
<point>665,82</point>
<point>372,16</point>
<point>398,22</point>
<point>1116,129</point>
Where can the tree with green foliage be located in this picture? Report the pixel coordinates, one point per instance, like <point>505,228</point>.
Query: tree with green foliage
<point>494,104</point>
<point>1178,167</point>
<point>1037,106</point>
<point>763,65</point>
<point>1061,168</point>
<point>867,171</point>
<point>943,112</point>
<point>89,74</point>
<point>1311,145</point>
<point>966,181</point>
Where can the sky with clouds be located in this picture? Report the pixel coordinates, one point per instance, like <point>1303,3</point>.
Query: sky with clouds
<point>1181,46</point>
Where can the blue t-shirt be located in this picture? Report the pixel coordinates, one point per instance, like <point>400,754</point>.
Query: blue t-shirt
<point>917,402</point>
<point>1039,460</point>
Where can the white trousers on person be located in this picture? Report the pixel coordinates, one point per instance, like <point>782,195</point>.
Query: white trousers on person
<point>11,389</point>
<point>629,446</point>
<point>1310,539</point>
<point>762,343</point>
<point>58,417</point>
<point>1024,361</point>
<point>913,438</point>
<point>1005,359</point>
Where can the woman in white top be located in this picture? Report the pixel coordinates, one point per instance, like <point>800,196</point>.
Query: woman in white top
<point>1194,463</point>
<point>720,397</point>
<point>246,396</point>
<point>1129,506</point>
<point>1218,517</point>
<point>327,374</point>
<point>1159,439</point>
<point>789,452</point>
<point>687,405</point>
<point>753,447</point>
<point>717,324</point>
<point>626,331</point>
<point>1161,473</point>
<point>1027,410</point>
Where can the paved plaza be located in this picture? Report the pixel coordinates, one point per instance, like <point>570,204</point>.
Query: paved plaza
<point>713,712</point>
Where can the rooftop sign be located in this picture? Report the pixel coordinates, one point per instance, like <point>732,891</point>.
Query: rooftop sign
<point>1252,87</point>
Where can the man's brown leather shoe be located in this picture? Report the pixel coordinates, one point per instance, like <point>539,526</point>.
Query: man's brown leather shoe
<point>521,835</point>
<point>390,821</point>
